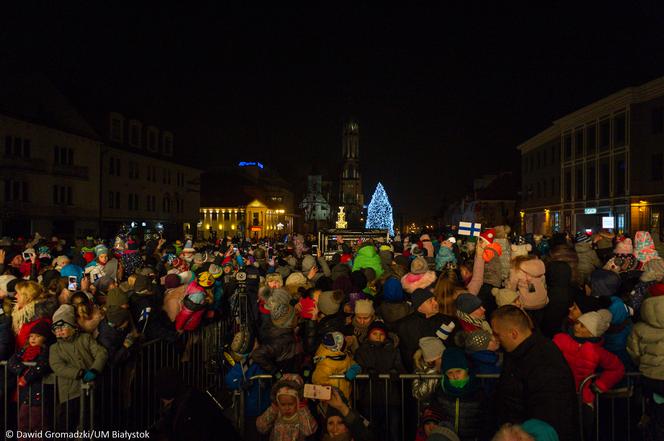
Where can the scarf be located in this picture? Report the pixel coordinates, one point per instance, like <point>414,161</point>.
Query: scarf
<point>455,392</point>
<point>480,323</point>
<point>31,352</point>
<point>22,316</point>
<point>360,331</point>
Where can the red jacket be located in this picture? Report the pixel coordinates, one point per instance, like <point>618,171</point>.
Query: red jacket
<point>586,359</point>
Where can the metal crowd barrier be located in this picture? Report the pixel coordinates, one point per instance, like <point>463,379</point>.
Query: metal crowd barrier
<point>603,430</point>
<point>123,396</point>
<point>628,397</point>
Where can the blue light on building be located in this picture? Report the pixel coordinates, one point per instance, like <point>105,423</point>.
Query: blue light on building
<point>250,164</point>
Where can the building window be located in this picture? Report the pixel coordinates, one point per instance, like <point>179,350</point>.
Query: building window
<point>133,170</point>
<point>567,144</point>
<point>114,166</point>
<point>553,187</point>
<point>63,194</point>
<point>591,139</point>
<point>152,173</point>
<point>657,164</point>
<point>604,134</point>
<point>554,148</point>
<point>117,200</point>
<point>132,202</point>
<point>116,128</point>
<point>604,178</point>
<point>619,130</point>
<point>18,147</point>
<point>111,199</point>
<point>657,120</point>
<point>166,204</point>
<point>544,193</point>
<point>135,133</point>
<point>538,188</point>
<point>254,219</point>
<point>539,160</point>
<point>16,191</point>
<point>568,185</point>
<point>590,181</point>
<point>168,144</point>
<point>227,216</point>
<point>578,144</point>
<point>579,184</point>
<point>63,155</point>
<point>152,139</point>
<point>619,175</point>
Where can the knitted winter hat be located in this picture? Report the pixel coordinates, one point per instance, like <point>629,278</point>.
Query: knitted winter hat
<point>604,283</point>
<point>377,325</point>
<point>582,237</point>
<point>454,358</point>
<point>296,279</point>
<point>392,290</point>
<point>467,302</point>
<point>624,247</point>
<point>644,247</point>
<point>334,341</point>
<point>43,328</point>
<point>276,297</point>
<point>116,315</point>
<point>653,270</point>
<point>308,262</point>
<point>504,296</point>
<point>100,250</point>
<point>364,307</point>
<point>282,315</point>
<point>476,340</point>
<point>420,296</point>
<point>330,301</point>
<point>432,348</point>
<point>64,315</point>
<point>419,265</point>
<point>597,322</point>
<point>488,235</point>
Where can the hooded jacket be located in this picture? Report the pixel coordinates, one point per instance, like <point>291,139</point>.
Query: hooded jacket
<point>588,259</point>
<point>379,358</point>
<point>424,388</point>
<point>528,280</point>
<point>646,342</point>
<point>367,257</point>
<point>332,363</point>
<point>587,358</point>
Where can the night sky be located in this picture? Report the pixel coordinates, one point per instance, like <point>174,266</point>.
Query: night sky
<point>441,95</point>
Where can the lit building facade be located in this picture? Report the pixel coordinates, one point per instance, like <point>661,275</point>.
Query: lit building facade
<point>598,167</point>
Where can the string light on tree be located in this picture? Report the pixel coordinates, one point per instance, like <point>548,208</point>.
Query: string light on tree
<point>379,213</point>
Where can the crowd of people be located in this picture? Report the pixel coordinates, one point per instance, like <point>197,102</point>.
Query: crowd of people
<point>538,315</point>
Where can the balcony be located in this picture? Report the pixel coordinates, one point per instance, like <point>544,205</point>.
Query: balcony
<point>14,163</point>
<point>71,171</point>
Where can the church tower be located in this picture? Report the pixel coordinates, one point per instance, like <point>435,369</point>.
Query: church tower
<point>351,196</point>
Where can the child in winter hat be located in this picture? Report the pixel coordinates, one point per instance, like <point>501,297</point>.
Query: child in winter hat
<point>482,349</point>
<point>331,359</point>
<point>288,418</point>
<point>89,362</point>
<point>585,354</point>
<point>427,360</point>
<point>471,313</point>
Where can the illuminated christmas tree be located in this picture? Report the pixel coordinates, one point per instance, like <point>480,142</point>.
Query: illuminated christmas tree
<point>379,213</point>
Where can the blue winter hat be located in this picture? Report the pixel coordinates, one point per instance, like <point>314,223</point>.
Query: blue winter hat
<point>454,358</point>
<point>100,250</point>
<point>72,270</point>
<point>392,290</point>
<point>467,302</point>
<point>604,283</point>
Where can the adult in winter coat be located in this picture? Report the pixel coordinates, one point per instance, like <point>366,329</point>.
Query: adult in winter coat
<point>536,381</point>
<point>425,321</point>
<point>587,256</point>
<point>31,307</point>
<point>393,307</point>
<point>378,355</point>
<point>367,257</point>
<point>559,290</point>
<point>646,347</point>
